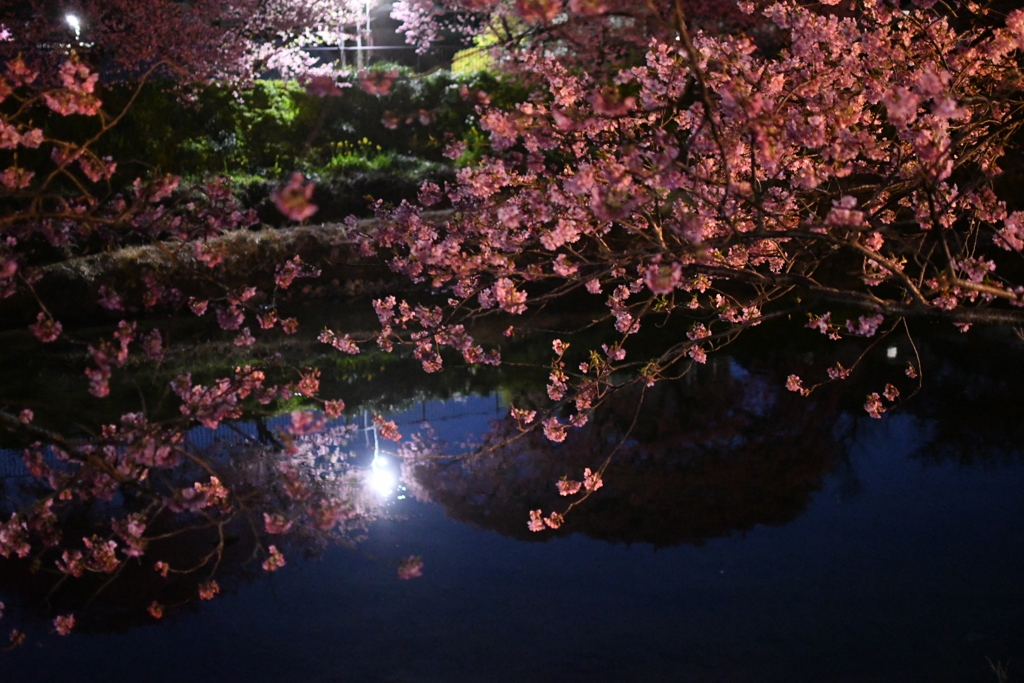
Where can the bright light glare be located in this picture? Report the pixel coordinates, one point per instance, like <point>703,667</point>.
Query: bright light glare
<point>73,22</point>
<point>380,477</point>
<point>890,352</point>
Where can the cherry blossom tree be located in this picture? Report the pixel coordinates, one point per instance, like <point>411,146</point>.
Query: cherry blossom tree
<point>843,169</point>
<point>198,41</point>
<point>849,177</point>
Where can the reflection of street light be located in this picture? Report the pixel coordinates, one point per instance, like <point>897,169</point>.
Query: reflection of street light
<point>381,478</point>
<point>74,23</point>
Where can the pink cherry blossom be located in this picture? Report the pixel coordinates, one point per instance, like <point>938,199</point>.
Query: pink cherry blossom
<point>874,406</point>
<point>377,81</point>
<point>46,329</point>
<point>410,568</point>
<point>275,560</point>
<point>64,624</point>
<point>293,200</point>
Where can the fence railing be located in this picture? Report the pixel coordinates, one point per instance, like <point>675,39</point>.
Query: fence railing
<point>406,55</point>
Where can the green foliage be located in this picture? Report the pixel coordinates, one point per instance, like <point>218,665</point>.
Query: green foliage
<point>260,135</point>
<point>477,58</point>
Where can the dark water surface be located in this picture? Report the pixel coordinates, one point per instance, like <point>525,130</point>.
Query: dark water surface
<point>856,550</point>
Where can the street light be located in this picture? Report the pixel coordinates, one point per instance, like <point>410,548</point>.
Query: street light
<point>74,23</point>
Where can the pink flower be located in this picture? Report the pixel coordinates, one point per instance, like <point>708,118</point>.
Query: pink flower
<point>9,136</point>
<point>322,86</point>
<point>344,343</point>
<point>614,352</point>
<point>538,11</point>
<point>430,194</point>
<point>8,269</point>
<point>608,101</point>
<point>523,417</point>
<point>536,522</point>
<point>838,372</point>
<point>156,610</point>
<point>19,72</point>
<point>109,299</point>
<point>663,279</point>
<point>508,297</point>
<point>866,326</point>
<point>198,307</point>
<point>267,320</point>
<point>410,568</point>
<point>293,200</point>
<point>334,408</point>
<point>306,422</point>
<point>874,406</point>
<point>96,169</point>
<point>276,524</point>
<point>592,480</point>
<point>153,345</point>
<point>891,393</point>
<point>245,338</point>
<point>388,429</point>
<point>274,561</point>
<point>1015,25</point>
<point>377,81</point>
<point>46,329</point>
<point>567,487</point>
<point>588,7</point>
<point>425,117</point>
<point>229,318</point>
<point>309,384</point>
<point>211,256</point>
<point>16,178</point>
<point>554,520</point>
<point>562,267</point>
<point>208,590</point>
<point>64,624</point>
<point>553,430</point>
<point>1011,236</point>
<point>901,105</point>
<point>99,381</point>
<point>844,214</point>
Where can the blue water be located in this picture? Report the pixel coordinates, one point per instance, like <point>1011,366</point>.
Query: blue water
<point>896,571</point>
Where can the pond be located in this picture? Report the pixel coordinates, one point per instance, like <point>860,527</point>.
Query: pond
<point>742,533</point>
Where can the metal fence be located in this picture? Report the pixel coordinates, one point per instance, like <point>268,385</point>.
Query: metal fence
<point>406,55</point>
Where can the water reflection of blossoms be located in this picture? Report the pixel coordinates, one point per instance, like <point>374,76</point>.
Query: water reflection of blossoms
<point>716,453</point>
<point>128,526</point>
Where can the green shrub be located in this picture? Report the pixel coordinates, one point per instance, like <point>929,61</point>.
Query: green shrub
<point>262,134</point>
